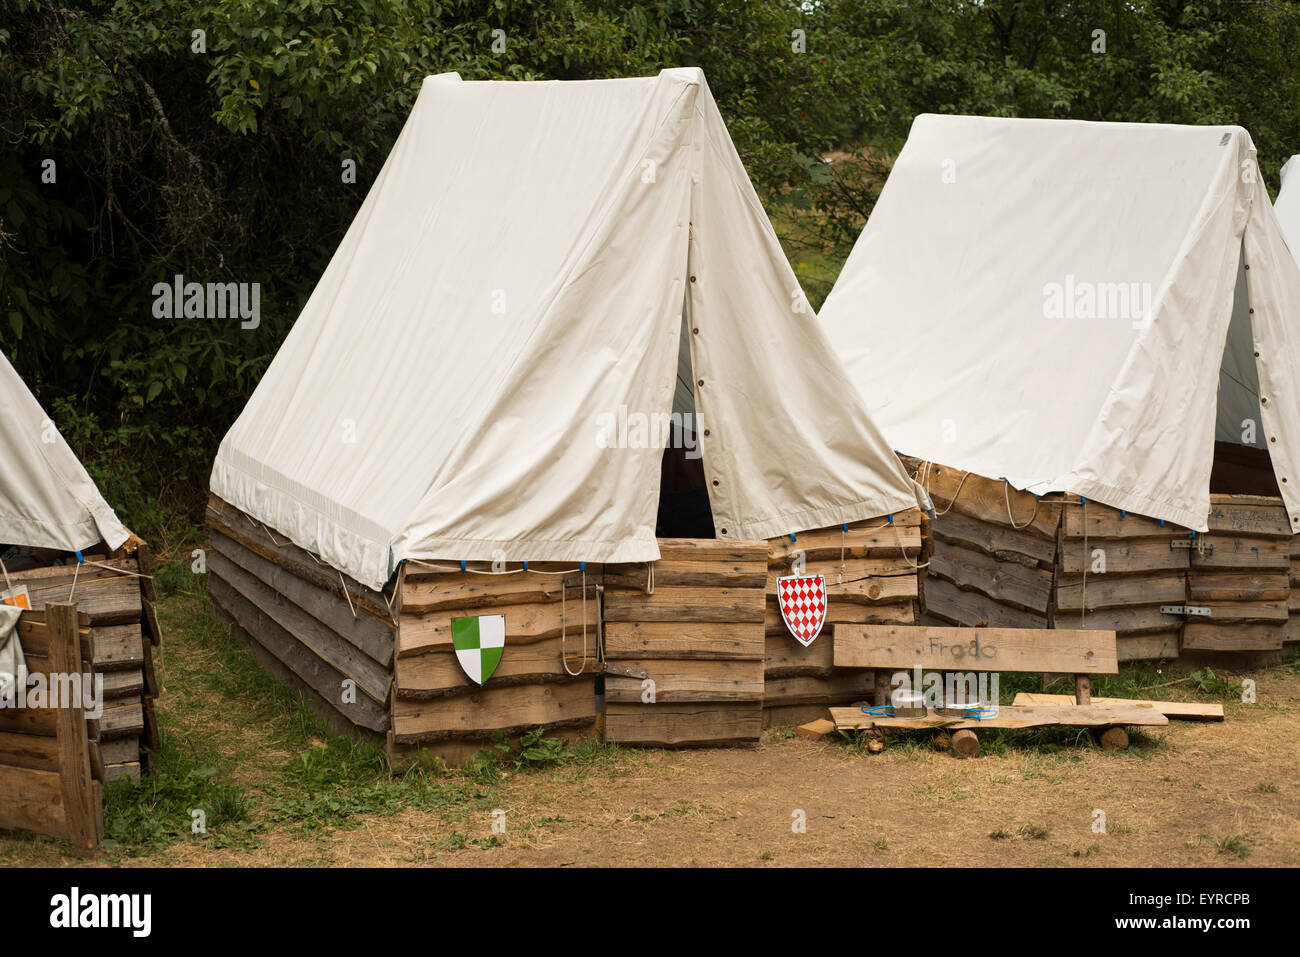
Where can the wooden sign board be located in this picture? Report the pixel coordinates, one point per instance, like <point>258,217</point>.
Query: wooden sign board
<point>904,647</point>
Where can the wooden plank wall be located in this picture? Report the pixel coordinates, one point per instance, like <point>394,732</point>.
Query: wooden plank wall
<point>1291,634</point>
<point>1245,579</point>
<point>872,570</point>
<point>321,631</point>
<point>984,572</point>
<point>124,633</point>
<point>699,636</point>
<point>1142,572</point>
<point>51,768</point>
<point>438,709</point>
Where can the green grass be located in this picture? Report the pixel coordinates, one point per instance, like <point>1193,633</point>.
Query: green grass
<point>1237,844</point>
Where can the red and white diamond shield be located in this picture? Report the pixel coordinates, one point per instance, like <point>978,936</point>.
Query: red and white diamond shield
<point>803,605</point>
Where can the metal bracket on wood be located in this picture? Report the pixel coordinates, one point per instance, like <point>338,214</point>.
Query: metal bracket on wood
<point>1191,611</point>
<point>1203,547</point>
<point>625,671</point>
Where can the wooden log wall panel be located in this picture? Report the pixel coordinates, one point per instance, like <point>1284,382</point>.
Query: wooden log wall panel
<point>1003,542</point>
<point>683,641</point>
<point>1005,581</point>
<point>235,525</point>
<point>1161,645</point>
<point>1292,631</point>
<point>296,658</point>
<point>882,587</point>
<point>973,609</point>
<point>545,648</point>
<point>699,637</point>
<point>367,633</point>
<point>343,657</point>
<point>477,716</point>
<point>420,634</point>
<point>987,500</point>
<point>1142,572</point>
<point>1244,579</point>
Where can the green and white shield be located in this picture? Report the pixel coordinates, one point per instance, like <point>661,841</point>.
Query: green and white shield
<point>479,643</point>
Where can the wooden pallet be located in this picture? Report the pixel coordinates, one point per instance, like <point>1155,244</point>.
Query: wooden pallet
<point>51,763</point>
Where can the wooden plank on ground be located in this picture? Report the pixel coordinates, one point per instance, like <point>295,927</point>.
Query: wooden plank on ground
<point>1073,716</point>
<point>1060,650</point>
<point>1184,710</point>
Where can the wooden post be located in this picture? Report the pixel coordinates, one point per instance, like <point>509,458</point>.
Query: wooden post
<point>1082,690</point>
<point>84,819</point>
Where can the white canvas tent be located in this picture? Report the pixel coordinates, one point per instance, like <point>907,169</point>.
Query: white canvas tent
<point>519,271</point>
<point>1287,206</point>
<point>1049,302</point>
<point>47,500</point>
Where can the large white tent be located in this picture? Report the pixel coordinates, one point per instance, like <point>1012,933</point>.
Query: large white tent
<point>517,276</point>
<point>1287,206</point>
<point>1049,302</point>
<point>47,500</point>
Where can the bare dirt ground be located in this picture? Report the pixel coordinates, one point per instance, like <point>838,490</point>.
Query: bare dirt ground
<point>1192,795</point>
<point>1189,795</point>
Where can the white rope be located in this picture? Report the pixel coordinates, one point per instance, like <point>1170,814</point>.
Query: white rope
<point>564,627</point>
<point>839,579</point>
<point>649,578</point>
<point>9,586</point>
<point>1006,494</point>
<point>73,590</point>
<point>344,586</point>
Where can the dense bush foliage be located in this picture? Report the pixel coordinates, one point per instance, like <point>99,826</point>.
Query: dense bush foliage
<point>218,155</point>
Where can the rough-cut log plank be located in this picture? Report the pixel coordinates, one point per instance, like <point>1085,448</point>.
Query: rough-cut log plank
<point>122,684</point>
<point>984,649</point>
<point>835,571</point>
<point>237,526</point>
<point>372,636</point>
<point>509,710</point>
<point>1244,553</point>
<point>440,672</point>
<point>733,574</point>
<point>347,659</point>
<point>82,812</point>
<point>986,499</point>
<point>1185,710</point>
<point>969,608</point>
<point>684,640</point>
<point>418,634</point>
<point>118,647</point>
<point>122,720</point>
<point>1157,646</point>
<point>474,590</point>
<point>1122,555</point>
<point>785,657</point>
<point>689,681</point>
<point>1237,611</point>
<point>841,612</point>
<point>1013,582</point>
<point>298,660</point>
<point>1103,521</point>
<point>1208,636</point>
<point>1111,590</point>
<point>130,769</point>
<point>1235,516</point>
<point>721,551</point>
<point>108,597</point>
<point>883,541</point>
<point>119,750</point>
<point>1233,586</point>
<point>839,688</point>
<point>1127,620</point>
<point>35,751</point>
<point>33,801</point>
<point>1072,716</point>
<point>684,725</point>
<point>684,604</point>
<point>1001,541</point>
